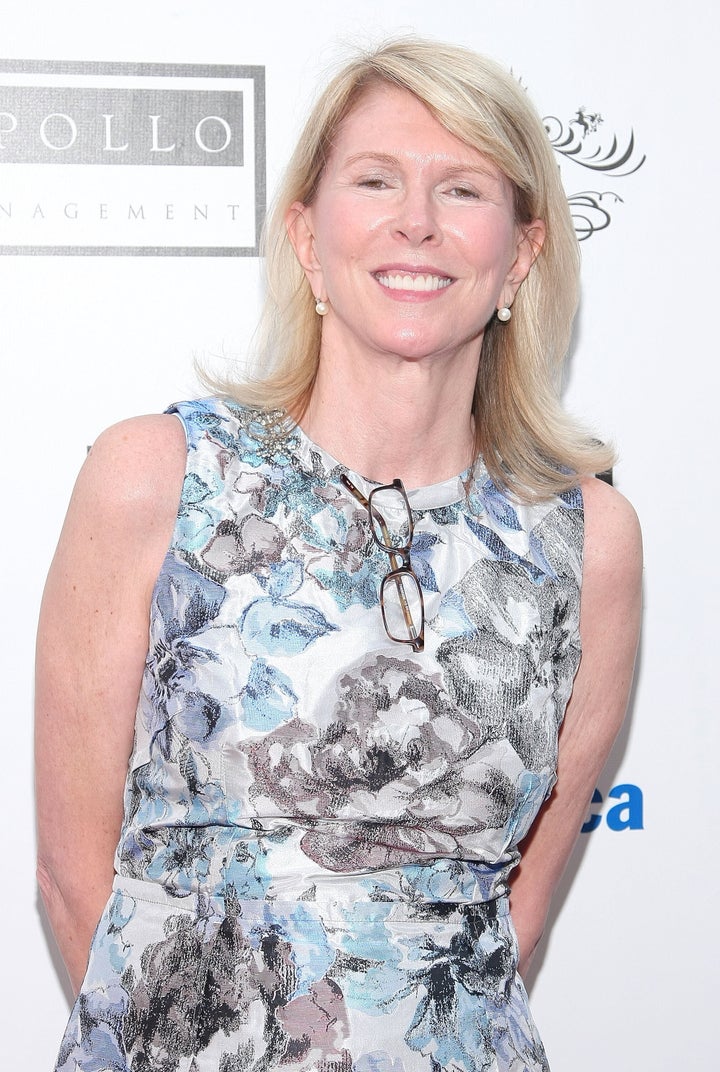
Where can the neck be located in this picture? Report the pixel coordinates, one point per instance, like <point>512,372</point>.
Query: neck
<point>395,417</point>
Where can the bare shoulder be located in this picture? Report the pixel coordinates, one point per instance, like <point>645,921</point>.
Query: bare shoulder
<point>134,471</point>
<point>613,555</point>
<point>613,540</point>
<point>137,454</point>
<point>157,430</point>
<point>124,504</point>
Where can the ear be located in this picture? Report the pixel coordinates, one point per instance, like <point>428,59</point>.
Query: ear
<point>299,225</point>
<point>530,238</point>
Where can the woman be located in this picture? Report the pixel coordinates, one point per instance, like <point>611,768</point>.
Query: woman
<point>365,632</point>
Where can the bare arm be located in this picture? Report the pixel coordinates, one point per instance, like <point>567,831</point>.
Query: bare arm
<point>92,644</point>
<point>609,628</point>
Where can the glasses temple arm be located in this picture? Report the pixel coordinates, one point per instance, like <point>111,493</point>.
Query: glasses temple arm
<point>357,494</point>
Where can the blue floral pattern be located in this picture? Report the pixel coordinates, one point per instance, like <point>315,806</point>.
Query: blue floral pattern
<point>320,824</point>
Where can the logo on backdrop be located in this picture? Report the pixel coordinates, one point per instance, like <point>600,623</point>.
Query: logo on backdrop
<point>624,809</point>
<point>121,158</point>
<point>581,141</point>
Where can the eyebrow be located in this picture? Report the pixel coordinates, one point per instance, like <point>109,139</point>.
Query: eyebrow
<point>453,169</point>
<point>380,158</point>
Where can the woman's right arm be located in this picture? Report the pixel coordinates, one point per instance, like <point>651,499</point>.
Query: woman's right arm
<point>92,646</point>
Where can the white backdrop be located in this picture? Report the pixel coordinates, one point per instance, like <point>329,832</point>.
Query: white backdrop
<point>626,979</point>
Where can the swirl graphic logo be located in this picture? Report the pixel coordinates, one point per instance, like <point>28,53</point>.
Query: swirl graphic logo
<point>581,141</point>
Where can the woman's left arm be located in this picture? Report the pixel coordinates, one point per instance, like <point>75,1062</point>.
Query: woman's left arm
<point>609,628</point>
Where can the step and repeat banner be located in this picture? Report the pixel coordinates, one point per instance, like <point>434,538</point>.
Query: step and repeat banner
<point>140,145</point>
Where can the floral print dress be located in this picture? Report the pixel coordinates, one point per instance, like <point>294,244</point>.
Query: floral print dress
<point>320,824</point>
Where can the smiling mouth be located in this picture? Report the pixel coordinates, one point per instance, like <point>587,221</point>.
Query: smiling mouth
<point>405,281</point>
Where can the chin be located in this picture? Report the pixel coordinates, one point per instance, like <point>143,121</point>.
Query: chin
<point>415,348</point>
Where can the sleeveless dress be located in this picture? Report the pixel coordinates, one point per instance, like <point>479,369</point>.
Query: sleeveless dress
<point>320,824</point>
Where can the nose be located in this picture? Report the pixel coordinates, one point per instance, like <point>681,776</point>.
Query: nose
<point>416,219</point>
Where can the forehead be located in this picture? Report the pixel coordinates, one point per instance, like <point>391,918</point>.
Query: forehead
<point>388,119</point>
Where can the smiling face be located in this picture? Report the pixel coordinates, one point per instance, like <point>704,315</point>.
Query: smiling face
<point>411,236</point>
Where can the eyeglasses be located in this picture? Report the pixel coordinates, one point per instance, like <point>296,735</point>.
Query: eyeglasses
<point>392,527</point>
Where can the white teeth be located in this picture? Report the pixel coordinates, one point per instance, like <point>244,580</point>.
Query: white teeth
<point>414,282</point>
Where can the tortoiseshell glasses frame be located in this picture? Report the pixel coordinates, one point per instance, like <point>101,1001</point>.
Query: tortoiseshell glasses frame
<point>400,588</point>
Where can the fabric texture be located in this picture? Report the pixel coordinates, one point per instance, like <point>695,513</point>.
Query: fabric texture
<point>320,824</point>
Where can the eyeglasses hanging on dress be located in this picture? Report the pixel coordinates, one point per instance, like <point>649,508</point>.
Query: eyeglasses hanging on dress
<point>392,527</point>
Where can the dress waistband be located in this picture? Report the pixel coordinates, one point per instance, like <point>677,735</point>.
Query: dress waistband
<point>338,906</point>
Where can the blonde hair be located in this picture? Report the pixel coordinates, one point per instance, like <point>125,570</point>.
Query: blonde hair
<point>529,445</point>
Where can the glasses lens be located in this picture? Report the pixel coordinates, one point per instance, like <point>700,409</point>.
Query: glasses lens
<point>391,518</point>
<point>402,606</point>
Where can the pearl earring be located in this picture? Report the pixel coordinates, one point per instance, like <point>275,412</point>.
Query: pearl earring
<point>321,307</point>
<point>504,313</point>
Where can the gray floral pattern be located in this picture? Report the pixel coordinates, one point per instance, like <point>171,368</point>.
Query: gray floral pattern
<point>320,825</point>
